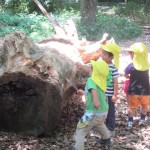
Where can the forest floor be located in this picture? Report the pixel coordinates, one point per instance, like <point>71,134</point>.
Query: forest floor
<point>137,138</point>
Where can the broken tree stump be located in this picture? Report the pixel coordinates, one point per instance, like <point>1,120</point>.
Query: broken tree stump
<point>33,84</point>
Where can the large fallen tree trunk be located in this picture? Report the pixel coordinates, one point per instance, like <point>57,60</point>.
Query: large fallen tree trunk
<point>34,83</point>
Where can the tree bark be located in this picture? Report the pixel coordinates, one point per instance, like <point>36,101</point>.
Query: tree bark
<point>33,85</point>
<point>88,9</point>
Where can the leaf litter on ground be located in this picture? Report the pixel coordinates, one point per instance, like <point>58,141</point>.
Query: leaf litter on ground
<point>137,138</point>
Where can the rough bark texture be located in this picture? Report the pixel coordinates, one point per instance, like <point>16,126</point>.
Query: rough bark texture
<point>33,84</point>
<point>88,10</point>
<point>36,80</point>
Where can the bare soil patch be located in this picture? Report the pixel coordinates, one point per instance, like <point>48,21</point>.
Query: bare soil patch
<point>142,38</point>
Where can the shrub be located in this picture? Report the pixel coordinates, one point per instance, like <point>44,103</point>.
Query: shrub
<point>137,10</point>
<point>37,27</point>
<point>120,28</point>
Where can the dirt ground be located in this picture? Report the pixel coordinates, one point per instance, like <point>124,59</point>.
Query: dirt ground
<point>137,138</point>
<point>62,138</point>
<point>143,38</point>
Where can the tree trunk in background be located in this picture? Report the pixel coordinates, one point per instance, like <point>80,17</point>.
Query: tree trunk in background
<point>88,9</point>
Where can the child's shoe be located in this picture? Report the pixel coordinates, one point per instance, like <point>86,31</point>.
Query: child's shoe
<point>106,142</point>
<point>130,124</point>
<point>73,148</point>
<point>112,133</point>
<point>141,122</point>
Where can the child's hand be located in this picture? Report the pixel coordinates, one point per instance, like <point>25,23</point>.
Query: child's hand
<point>114,99</point>
<point>80,92</point>
<point>96,104</point>
<point>95,98</point>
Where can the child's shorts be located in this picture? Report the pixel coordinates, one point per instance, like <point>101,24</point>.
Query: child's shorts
<point>126,85</point>
<point>136,100</point>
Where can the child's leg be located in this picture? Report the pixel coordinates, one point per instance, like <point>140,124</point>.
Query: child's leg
<point>110,120</point>
<point>133,105</point>
<point>80,137</point>
<point>81,132</point>
<point>144,103</point>
<point>144,110</point>
<point>101,127</point>
<point>130,116</point>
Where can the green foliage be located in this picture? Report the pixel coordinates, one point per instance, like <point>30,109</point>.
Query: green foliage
<point>49,5</point>
<point>118,27</point>
<point>28,6</point>
<point>15,6</point>
<point>63,15</point>
<point>37,27</point>
<point>137,10</point>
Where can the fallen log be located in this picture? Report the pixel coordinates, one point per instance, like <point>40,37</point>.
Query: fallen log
<point>33,85</point>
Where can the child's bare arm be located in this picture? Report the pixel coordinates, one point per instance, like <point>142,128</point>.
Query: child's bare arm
<point>95,98</point>
<point>114,98</point>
